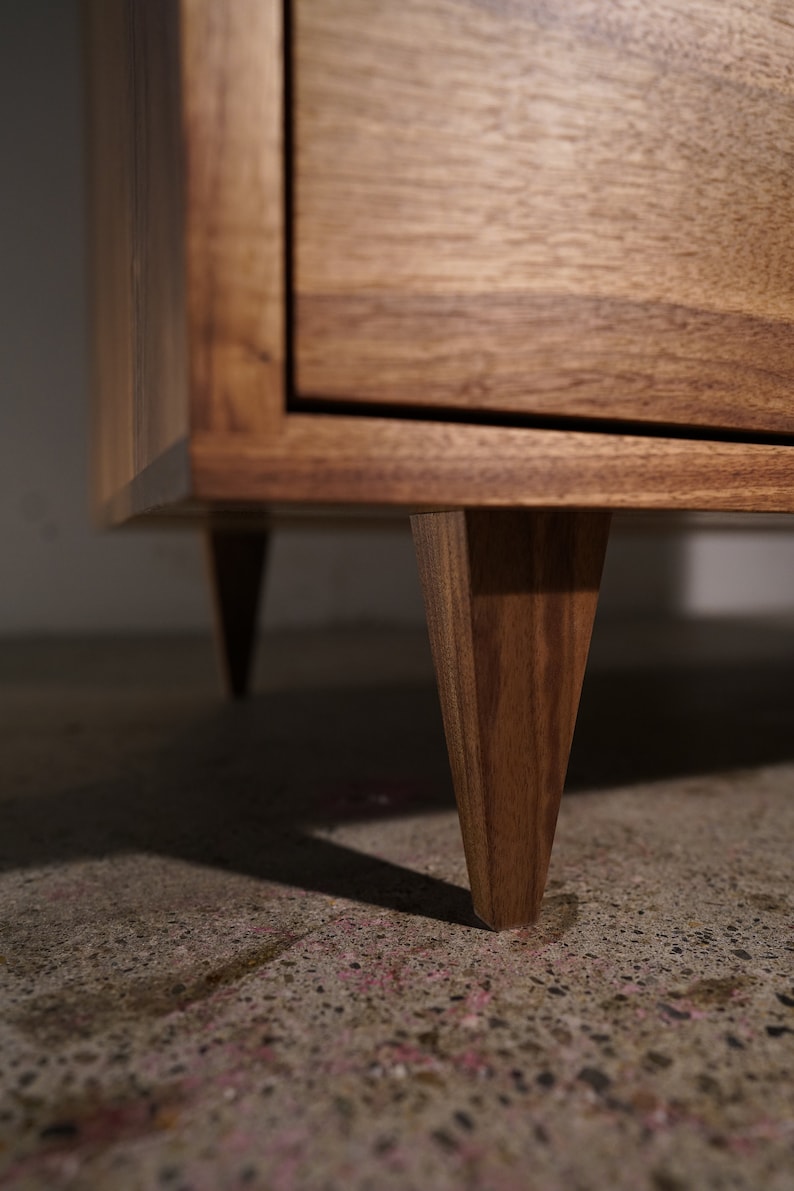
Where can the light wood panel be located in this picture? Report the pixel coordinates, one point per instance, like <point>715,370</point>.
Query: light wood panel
<point>565,208</point>
<point>413,464</point>
<point>134,233</point>
<point>510,598</point>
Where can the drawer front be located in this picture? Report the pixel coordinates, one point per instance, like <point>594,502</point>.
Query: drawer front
<point>548,208</point>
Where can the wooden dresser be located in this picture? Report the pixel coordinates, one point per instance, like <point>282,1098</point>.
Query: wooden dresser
<point>506,265</point>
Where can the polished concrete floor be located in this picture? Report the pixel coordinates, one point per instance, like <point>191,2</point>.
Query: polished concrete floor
<point>237,950</point>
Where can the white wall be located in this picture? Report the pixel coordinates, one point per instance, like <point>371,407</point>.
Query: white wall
<point>59,575</point>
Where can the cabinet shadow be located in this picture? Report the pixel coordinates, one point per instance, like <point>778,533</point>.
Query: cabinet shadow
<point>257,788</point>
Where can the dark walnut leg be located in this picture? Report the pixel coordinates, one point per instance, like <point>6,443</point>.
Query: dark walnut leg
<point>510,597</point>
<point>236,560</point>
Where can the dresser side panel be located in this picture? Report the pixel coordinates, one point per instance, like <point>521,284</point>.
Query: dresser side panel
<point>136,244</point>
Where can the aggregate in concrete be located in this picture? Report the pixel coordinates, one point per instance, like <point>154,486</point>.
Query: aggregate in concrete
<point>237,947</point>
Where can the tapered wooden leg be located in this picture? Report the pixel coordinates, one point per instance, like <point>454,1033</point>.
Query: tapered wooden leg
<point>236,561</point>
<point>510,598</point>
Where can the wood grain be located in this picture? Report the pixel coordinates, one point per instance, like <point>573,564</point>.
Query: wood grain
<point>562,208</point>
<point>233,82</point>
<point>134,233</point>
<point>186,229</point>
<point>510,598</point>
<point>413,464</point>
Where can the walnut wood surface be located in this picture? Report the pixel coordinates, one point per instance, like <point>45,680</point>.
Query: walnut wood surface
<point>186,145</point>
<point>186,231</point>
<point>521,206</point>
<point>233,112</point>
<point>511,598</point>
<point>236,560</point>
<point>134,230</point>
<point>411,464</point>
<point>548,206</point>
